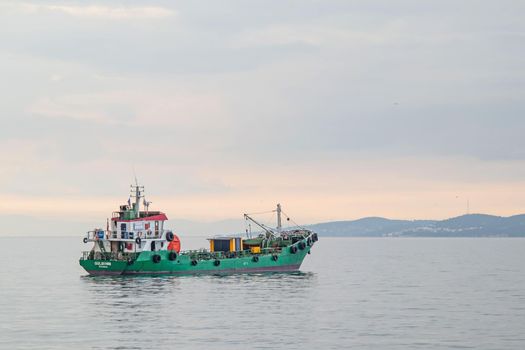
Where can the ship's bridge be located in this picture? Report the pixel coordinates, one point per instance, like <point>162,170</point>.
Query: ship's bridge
<point>146,225</point>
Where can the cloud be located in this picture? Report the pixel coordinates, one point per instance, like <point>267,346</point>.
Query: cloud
<point>242,103</point>
<point>335,35</point>
<point>102,12</point>
<point>134,107</point>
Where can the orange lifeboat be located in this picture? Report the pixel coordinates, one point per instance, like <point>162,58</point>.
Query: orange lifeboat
<point>174,244</point>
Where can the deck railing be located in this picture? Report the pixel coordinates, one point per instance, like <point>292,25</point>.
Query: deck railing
<point>92,255</point>
<point>96,235</point>
<point>207,255</point>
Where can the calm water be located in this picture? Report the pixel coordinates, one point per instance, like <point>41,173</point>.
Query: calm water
<point>352,293</point>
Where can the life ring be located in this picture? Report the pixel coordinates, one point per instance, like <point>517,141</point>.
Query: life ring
<point>293,249</point>
<point>255,259</point>
<point>85,240</point>
<point>275,257</point>
<point>156,258</point>
<point>138,240</point>
<point>194,262</point>
<point>169,236</point>
<point>217,262</point>
<point>172,256</point>
<point>301,245</point>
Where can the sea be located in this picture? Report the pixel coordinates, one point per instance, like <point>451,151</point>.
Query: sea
<point>350,293</point>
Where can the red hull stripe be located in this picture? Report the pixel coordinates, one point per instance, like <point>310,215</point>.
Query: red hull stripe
<point>160,217</point>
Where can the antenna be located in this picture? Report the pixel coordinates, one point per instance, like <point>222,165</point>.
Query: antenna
<point>135,176</point>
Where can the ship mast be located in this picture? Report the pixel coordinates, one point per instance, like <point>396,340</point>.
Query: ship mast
<point>137,192</point>
<point>278,210</point>
<point>279,224</point>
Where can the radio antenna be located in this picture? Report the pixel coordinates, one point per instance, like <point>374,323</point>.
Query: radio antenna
<point>135,176</point>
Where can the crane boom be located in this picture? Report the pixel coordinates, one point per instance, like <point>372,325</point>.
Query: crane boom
<point>248,217</point>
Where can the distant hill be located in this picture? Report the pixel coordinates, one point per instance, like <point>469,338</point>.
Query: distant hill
<point>472,225</point>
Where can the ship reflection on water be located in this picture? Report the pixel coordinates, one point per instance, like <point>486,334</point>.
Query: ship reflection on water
<point>191,307</point>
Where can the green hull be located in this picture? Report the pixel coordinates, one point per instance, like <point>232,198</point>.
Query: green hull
<point>182,265</point>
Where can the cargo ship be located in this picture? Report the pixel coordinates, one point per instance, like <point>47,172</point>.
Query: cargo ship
<point>137,242</point>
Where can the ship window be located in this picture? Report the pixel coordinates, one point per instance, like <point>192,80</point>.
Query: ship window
<point>123,227</point>
<point>152,246</point>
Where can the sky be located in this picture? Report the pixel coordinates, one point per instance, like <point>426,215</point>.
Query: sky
<point>338,110</point>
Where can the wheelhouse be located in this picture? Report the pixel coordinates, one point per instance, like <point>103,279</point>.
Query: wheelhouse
<point>131,230</point>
